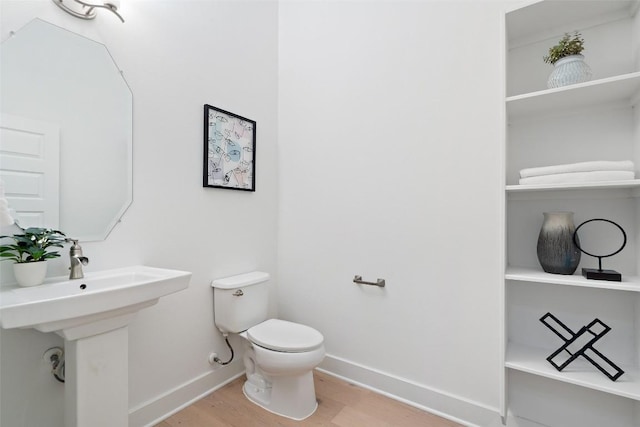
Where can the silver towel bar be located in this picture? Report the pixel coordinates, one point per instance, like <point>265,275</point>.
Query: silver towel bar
<point>358,279</point>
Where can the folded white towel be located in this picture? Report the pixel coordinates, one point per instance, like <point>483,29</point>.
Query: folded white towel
<point>576,177</point>
<point>601,165</point>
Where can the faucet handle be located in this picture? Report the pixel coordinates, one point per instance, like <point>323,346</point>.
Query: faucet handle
<point>76,250</point>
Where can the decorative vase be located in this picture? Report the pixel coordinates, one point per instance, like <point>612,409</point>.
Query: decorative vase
<point>30,273</point>
<point>568,71</point>
<point>557,252</point>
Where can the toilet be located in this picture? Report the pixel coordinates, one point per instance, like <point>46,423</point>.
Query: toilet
<point>279,356</point>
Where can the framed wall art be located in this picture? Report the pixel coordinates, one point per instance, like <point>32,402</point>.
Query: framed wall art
<point>229,150</point>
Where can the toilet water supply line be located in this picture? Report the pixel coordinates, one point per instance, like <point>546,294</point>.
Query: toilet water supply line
<point>58,370</point>
<point>217,359</point>
<point>55,357</point>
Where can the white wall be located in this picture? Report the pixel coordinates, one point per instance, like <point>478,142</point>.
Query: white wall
<point>390,167</point>
<point>176,56</point>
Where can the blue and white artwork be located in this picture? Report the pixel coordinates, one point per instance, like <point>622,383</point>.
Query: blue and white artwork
<point>230,142</point>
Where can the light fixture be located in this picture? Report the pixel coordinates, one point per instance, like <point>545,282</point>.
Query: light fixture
<point>83,10</point>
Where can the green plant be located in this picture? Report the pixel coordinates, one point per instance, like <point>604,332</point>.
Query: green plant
<point>568,45</point>
<point>32,245</point>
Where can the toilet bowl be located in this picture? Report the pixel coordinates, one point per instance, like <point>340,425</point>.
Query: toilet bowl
<point>279,355</point>
<point>279,359</point>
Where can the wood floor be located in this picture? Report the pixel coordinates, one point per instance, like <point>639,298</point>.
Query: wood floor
<point>339,404</point>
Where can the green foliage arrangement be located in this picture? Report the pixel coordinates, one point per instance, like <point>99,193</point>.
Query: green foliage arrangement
<point>32,245</point>
<point>568,45</point>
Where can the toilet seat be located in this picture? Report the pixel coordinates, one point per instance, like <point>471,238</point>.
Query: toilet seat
<point>284,336</point>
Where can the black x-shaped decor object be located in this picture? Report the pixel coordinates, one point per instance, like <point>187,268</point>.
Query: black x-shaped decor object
<point>580,344</point>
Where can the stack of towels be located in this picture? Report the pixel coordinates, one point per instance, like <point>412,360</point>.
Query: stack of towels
<point>596,171</point>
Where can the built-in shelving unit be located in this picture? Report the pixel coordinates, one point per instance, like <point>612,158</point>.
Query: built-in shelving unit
<point>596,120</point>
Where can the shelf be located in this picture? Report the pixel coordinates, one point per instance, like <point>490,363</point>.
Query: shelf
<point>618,89</point>
<point>629,283</point>
<point>543,18</point>
<point>517,188</point>
<point>580,372</point>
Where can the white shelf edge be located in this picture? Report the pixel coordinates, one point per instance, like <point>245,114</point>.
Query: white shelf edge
<point>619,90</point>
<point>516,188</point>
<point>581,373</point>
<point>575,87</point>
<point>629,283</point>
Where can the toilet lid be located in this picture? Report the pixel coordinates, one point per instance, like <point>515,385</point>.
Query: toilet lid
<point>281,335</point>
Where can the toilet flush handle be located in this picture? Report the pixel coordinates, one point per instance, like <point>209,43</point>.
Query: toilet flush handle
<point>238,293</point>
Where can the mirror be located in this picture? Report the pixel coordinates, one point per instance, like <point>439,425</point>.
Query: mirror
<point>67,116</point>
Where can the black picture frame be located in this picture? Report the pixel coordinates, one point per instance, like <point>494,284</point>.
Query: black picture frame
<point>229,150</point>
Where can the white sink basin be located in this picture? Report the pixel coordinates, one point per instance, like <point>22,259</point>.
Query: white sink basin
<point>100,302</point>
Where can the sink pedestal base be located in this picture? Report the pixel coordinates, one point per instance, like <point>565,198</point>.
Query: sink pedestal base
<point>92,315</point>
<point>97,380</point>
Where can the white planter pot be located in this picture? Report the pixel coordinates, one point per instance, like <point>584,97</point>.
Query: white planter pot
<point>30,273</point>
<point>568,71</point>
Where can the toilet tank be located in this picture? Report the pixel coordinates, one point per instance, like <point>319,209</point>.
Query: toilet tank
<point>240,302</point>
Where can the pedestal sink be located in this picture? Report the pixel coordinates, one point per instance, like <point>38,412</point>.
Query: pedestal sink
<point>92,315</point>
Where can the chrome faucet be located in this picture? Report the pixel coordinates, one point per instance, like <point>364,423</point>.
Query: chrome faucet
<point>77,260</point>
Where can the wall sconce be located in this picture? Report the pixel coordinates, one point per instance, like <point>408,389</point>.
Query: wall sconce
<point>83,10</point>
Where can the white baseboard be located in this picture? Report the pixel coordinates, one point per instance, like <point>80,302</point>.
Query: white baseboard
<point>513,421</point>
<point>446,405</point>
<point>161,407</point>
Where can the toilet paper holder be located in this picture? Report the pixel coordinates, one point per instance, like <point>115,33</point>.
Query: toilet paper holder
<point>358,279</point>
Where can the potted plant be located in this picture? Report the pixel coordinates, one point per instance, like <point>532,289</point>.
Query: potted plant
<point>568,61</point>
<point>30,251</point>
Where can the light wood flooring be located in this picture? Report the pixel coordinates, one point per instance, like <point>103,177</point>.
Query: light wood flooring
<point>339,404</point>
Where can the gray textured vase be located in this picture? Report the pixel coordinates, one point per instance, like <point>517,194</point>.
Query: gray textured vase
<point>557,253</point>
<point>568,71</point>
